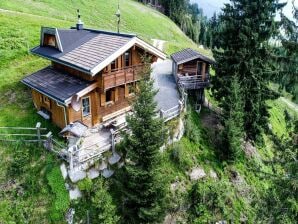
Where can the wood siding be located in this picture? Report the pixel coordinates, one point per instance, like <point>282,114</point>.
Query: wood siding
<point>72,71</point>
<point>56,112</point>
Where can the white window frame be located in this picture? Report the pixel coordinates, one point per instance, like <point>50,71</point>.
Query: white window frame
<point>89,100</point>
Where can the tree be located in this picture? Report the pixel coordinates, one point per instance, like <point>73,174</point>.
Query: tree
<point>287,59</point>
<point>142,188</point>
<point>104,208</point>
<point>233,132</point>
<point>246,28</point>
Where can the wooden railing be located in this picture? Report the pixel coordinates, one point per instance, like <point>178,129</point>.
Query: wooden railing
<point>171,113</point>
<point>193,82</point>
<point>121,76</point>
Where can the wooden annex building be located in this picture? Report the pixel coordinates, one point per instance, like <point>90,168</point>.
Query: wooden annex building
<point>192,72</point>
<point>92,75</point>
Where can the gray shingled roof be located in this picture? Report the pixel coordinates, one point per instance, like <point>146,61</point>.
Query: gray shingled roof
<point>57,85</point>
<point>77,128</point>
<point>189,54</point>
<point>84,49</point>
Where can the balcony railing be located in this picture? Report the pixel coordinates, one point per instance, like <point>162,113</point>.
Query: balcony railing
<point>121,76</point>
<point>193,82</point>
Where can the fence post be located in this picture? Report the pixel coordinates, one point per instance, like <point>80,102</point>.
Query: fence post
<point>185,100</point>
<point>113,140</point>
<point>38,133</point>
<point>49,143</point>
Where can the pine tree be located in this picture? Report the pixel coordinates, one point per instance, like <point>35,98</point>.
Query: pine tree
<point>246,28</point>
<point>143,189</point>
<point>233,132</point>
<point>102,204</point>
<point>288,54</point>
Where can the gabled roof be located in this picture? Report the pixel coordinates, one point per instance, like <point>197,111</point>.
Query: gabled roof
<point>56,85</point>
<point>189,54</point>
<point>90,50</point>
<point>77,129</point>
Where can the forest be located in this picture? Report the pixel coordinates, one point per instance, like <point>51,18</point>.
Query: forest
<point>246,154</point>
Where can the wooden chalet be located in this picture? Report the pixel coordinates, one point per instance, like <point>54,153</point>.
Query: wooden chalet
<point>191,69</point>
<point>92,75</point>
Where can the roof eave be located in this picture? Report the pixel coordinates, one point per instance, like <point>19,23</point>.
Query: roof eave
<point>44,93</point>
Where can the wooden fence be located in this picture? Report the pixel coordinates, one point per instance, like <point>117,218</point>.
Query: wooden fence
<point>37,135</point>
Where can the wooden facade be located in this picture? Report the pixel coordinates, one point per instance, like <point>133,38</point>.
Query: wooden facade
<point>115,86</point>
<point>193,74</point>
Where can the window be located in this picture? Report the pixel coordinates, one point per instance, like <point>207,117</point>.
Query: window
<point>109,96</point>
<point>131,89</point>
<point>114,65</point>
<point>199,71</point>
<point>127,58</point>
<point>50,40</point>
<point>86,106</point>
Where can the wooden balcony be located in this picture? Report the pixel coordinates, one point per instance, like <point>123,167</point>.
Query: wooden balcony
<point>121,76</point>
<point>193,82</point>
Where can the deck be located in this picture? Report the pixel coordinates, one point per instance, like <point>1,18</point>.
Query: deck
<point>168,99</point>
<point>120,77</point>
<point>193,82</point>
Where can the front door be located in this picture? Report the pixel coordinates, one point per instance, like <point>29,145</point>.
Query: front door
<point>86,111</point>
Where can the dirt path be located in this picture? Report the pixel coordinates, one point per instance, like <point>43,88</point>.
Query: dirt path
<point>290,104</point>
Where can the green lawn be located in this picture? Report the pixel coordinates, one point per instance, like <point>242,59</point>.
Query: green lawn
<point>99,14</point>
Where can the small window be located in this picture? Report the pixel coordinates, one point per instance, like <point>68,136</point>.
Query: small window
<point>127,58</point>
<point>114,65</point>
<point>131,89</point>
<point>50,40</point>
<point>199,71</point>
<point>109,96</point>
<point>86,106</point>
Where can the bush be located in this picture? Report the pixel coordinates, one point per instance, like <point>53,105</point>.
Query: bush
<point>61,202</point>
<point>192,132</point>
<point>181,157</point>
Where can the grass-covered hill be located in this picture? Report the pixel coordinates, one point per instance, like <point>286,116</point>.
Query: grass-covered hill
<point>31,187</point>
<point>99,14</point>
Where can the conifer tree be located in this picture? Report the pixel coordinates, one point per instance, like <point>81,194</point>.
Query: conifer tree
<point>142,188</point>
<point>288,54</point>
<point>233,132</point>
<point>246,28</point>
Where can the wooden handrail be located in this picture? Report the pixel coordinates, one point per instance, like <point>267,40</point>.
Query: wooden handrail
<point>115,71</point>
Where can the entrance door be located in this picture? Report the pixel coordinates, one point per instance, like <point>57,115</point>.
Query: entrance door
<point>86,111</point>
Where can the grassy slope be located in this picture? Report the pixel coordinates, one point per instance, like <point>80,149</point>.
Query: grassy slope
<point>99,14</point>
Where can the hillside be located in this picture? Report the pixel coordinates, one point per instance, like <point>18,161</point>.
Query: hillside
<point>32,189</point>
<point>100,15</point>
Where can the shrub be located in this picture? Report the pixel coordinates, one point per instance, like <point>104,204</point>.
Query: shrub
<point>192,132</point>
<point>181,157</point>
<point>61,202</point>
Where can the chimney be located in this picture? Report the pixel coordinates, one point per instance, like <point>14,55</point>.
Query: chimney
<point>80,24</point>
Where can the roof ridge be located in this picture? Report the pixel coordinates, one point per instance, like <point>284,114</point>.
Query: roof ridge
<point>108,32</point>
